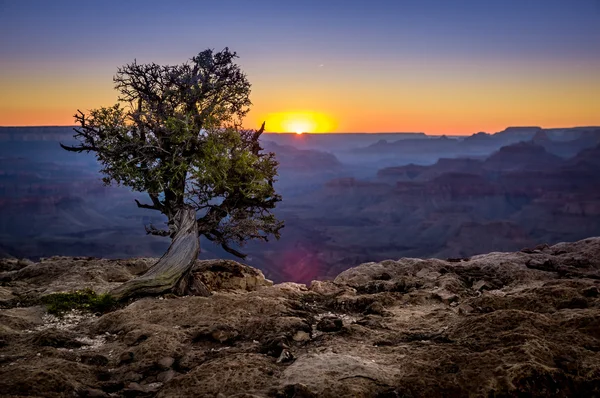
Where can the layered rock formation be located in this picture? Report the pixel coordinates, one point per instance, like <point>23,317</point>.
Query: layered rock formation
<point>499,324</point>
<point>337,213</point>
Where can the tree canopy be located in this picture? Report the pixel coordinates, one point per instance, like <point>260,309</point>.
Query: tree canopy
<point>176,134</point>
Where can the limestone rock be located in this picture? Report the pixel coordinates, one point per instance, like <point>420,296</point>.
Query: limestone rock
<point>165,363</point>
<point>229,275</point>
<point>6,296</point>
<point>166,376</point>
<point>500,324</point>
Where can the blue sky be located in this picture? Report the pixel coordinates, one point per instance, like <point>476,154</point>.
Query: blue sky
<point>283,42</point>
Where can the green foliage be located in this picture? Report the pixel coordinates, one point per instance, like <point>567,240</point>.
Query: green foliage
<point>83,300</point>
<point>176,134</point>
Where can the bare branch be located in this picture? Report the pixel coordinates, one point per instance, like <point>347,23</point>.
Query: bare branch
<point>259,132</point>
<point>236,253</point>
<point>217,237</point>
<point>152,230</point>
<point>156,202</point>
<point>79,148</point>
<point>143,206</point>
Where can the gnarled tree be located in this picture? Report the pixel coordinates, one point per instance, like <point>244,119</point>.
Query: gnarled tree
<point>176,134</point>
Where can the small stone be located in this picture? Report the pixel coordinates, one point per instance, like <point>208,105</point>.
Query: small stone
<point>134,337</point>
<point>481,286</point>
<point>165,376</point>
<point>274,346</point>
<point>219,333</point>
<point>301,335</point>
<point>132,376</point>
<point>330,324</point>
<point>224,334</point>
<point>465,309</point>
<point>375,308</point>
<point>445,296</point>
<point>152,387</point>
<point>285,356</point>
<point>126,357</point>
<point>166,363</point>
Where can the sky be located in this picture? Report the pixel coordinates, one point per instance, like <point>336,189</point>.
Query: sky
<point>433,66</point>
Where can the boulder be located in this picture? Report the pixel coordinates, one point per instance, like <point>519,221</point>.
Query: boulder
<point>229,275</point>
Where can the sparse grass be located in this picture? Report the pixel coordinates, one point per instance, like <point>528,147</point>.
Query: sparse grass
<point>83,300</point>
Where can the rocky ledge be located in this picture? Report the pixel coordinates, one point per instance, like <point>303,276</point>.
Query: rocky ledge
<point>500,324</point>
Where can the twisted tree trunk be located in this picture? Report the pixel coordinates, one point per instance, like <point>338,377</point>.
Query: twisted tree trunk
<point>172,273</point>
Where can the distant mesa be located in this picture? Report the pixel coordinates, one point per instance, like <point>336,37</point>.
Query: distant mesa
<point>525,131</point>
<point>294,159</point>
<point>522,155</point>
<point>351,182</point>
<point>481,136</point>
<point>587,158</point>
<point>540,137</point>
<point>37,133</point>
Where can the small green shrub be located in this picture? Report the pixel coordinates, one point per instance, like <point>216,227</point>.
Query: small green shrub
<point>83,300</point>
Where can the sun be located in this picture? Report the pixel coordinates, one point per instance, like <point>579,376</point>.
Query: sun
<point>299,126</point>
<point>299,122</point>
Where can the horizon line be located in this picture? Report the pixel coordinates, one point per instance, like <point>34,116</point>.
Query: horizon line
<point>359,132</point>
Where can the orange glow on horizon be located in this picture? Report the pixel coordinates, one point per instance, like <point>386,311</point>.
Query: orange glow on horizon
<point>461,101</point>
<point>300,122</point>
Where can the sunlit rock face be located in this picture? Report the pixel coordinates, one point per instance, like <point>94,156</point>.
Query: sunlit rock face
<point>404,327</point>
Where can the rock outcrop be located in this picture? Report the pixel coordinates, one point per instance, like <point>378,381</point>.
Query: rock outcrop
<point>499,324</point>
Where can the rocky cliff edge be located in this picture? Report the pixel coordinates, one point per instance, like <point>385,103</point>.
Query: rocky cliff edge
<point>499,324</point>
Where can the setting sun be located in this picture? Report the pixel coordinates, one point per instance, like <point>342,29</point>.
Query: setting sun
<point>298,126</point>
<point>299,122</point>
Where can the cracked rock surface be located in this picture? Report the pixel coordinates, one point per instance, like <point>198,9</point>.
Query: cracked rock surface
<point>499,324</point>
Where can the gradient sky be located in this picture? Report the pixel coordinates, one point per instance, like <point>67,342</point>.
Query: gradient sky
<point>437,66</point>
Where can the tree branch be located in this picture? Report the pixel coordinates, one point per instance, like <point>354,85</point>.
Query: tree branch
<point>214,236</point>
<point>156,202</point>
<point>143,206</point>
<point>233,251</point>
<point>258,133</point>
<point>79,148</point>
<point>152,230</point>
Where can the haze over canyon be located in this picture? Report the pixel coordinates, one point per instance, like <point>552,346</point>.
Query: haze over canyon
<point>347,198</point>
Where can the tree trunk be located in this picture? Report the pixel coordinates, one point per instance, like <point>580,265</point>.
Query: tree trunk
<point>172,273</point>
